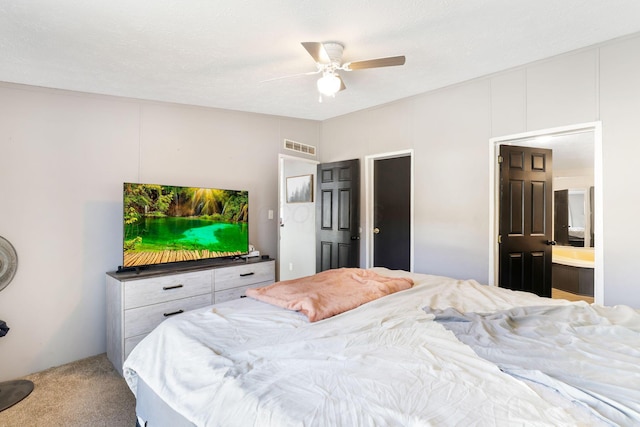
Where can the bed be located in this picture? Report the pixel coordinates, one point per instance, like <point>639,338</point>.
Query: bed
<point>441,352</point>
<point>576,236</point>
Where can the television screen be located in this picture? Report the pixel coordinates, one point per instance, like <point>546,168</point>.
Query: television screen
<point>167,224</point>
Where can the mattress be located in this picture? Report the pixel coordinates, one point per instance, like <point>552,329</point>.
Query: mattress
<point>386,362</point>
<point>151,410</point>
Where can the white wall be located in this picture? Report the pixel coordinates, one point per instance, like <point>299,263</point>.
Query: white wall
<point>63,159</point>
<point>449,130</point>
<point>619,106</point>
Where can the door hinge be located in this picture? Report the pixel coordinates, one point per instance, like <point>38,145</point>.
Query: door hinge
<point>499,238</point>
<point>500,159</point>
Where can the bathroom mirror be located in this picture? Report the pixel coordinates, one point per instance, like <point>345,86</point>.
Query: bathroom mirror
<point>573,217</point>
<point>573,178</point>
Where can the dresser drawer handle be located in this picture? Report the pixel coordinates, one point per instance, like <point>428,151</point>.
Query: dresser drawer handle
<point>173,313</point>
<point>166,288</point>
<point>247,274</point>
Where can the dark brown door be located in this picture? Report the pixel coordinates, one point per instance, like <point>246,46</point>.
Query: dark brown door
<point>525,219</point>
<point>338,215</point>
<point>561,217</point>
<point>392,213</point>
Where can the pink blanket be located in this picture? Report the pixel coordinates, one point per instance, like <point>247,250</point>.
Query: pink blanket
<point>330,292</point>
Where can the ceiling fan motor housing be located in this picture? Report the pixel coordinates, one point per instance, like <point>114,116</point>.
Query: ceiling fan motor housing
<point>334,51</point>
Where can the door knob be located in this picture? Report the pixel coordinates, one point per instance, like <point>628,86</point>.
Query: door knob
<point>551,242</point>
<point>376,230</point>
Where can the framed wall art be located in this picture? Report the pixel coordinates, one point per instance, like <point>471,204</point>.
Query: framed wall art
<point>300,189</point>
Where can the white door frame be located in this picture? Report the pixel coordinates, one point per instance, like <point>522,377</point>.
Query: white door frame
<point>369,187</point>
<point>494,193</point>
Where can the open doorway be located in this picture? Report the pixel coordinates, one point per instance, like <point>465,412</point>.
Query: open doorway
<point>577,161</point>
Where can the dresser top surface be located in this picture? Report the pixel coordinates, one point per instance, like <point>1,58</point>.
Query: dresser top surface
<point>162,270</point>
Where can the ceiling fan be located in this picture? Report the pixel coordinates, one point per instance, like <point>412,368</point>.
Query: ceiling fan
<point>328,58</point>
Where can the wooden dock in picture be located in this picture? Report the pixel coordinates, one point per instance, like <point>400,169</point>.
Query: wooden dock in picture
<point>133,259</point>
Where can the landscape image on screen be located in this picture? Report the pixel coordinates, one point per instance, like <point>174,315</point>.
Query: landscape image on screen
<point>165,224</point>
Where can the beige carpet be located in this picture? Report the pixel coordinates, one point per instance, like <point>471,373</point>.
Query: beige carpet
<point>88,392</point>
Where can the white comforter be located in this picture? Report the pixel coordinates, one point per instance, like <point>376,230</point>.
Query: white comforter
<point>386,363</point>
<point>589,353</point>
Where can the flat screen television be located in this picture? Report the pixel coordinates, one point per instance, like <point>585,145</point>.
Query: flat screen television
<point>169,224</point>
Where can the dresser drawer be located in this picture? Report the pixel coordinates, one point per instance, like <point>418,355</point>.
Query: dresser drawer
<point>244,275</point>
<point>138,293</point>
<point>229,294</point>
<point>239,292</point>
<point>143,320</point>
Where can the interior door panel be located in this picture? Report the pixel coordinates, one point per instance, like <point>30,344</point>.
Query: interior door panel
<point>525,219</point>
<point>392,213</point>
<point>338,215</point>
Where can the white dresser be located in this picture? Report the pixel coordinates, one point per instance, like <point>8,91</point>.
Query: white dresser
<point>137,302</point>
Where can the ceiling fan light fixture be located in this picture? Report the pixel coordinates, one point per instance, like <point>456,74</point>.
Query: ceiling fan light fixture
<point>329,84</point>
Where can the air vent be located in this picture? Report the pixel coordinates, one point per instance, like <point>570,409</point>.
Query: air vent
<point>299,147</point>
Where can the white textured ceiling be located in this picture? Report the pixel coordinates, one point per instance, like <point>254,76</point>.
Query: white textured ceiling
<point>216,53</point>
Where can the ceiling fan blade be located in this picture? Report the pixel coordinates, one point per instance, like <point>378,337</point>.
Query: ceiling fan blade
<point>375,63</point>
<point>291,75</point>
<point>317,52</point>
